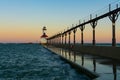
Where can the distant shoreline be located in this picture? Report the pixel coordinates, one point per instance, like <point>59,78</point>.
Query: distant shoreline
<point>85,44</point>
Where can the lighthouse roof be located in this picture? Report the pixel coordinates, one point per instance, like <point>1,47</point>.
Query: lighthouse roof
<point>44,36</point>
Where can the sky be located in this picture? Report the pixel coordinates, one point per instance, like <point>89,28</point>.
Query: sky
<point>22,21</point>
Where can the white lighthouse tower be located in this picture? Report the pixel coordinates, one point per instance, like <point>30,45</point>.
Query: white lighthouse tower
<point>43,39</point>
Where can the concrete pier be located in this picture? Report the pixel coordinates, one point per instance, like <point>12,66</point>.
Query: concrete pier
<point>104,51</point>
<point>93,66</point>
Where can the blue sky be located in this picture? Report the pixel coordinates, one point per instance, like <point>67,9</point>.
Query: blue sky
<point>42,10</point>
<point>51,8</point>
<point>57,15</point>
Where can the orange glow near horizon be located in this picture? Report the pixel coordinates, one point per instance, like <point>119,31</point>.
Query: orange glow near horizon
<point>24,34</point>
<point>29,34</point>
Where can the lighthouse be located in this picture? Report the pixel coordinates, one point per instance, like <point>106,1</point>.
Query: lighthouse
<point>43,39</point>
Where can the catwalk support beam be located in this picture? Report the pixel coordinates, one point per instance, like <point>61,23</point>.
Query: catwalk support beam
<point>82,29</point>
<point>69,37</point>
<point>65,38</point>
<point>112,14</point>
<point>62,38</point>
<point>93,24</point>
<point>113,17</point>
<point>74,40</point>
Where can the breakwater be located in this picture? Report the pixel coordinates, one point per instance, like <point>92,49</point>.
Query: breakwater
<point>104,51</point>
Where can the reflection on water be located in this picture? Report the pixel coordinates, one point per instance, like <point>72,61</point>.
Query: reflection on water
<point>94,64</point>
<point>114,71</point>
<point>82,58</point>
<point>108,69</point>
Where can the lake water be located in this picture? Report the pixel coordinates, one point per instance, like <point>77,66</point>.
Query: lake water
<point>34,62</point>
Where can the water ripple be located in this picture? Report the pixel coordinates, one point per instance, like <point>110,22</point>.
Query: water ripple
<point>33,62</point>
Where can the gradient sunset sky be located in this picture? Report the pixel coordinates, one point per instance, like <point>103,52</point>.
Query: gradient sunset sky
<point>22,20</point>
